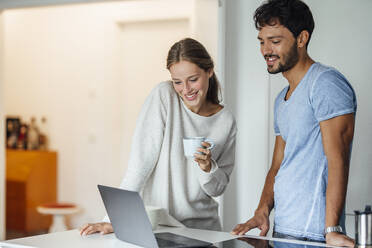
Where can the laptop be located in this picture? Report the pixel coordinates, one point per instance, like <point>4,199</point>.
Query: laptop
<point>131,224</point>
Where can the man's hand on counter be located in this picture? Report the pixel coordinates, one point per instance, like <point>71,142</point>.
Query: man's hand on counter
<point>259,220</point>
<point>339,239</point>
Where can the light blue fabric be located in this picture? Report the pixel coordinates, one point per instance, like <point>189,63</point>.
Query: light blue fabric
<point>301,182</point>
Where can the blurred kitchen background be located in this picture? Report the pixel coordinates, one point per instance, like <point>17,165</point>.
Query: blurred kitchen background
<point>86,66</point>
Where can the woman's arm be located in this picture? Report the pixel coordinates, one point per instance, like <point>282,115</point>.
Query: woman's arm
<point>214,182</point>
<point>146,142</point>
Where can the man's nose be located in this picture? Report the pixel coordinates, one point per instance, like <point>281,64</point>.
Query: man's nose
<point>266,49</point>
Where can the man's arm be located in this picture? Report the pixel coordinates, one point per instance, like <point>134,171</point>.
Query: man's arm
<point>261,216</point>
<point>337,135</point>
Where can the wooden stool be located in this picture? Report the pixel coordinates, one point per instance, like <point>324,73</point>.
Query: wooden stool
<point>58,210</point>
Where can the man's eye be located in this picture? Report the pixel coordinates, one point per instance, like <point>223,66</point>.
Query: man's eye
<point>194,79</point>
<point>261,43</point>
<point>276,41</point>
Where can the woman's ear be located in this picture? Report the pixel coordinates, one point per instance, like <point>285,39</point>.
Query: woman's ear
<point>210,72</point>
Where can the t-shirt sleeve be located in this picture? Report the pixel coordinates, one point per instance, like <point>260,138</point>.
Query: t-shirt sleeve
<point>276,126</point>
<point>332,96</point>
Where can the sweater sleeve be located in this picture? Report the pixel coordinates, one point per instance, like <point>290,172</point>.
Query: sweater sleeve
<point>146,142</point>
<point>214,182</point>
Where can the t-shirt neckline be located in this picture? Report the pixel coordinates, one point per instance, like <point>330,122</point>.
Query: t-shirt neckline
<point>298,86</point>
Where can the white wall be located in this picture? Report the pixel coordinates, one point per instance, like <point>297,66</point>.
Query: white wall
<point>7,4</point>
<point>66,63</point>
<point>143,67</point>
<point>246,93</point>
<point>2,138</point>
<point>342,38</point>
<point>346,47</point>
<point>205,24</point>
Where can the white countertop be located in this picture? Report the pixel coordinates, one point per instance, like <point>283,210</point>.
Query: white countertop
<point>69,239</point>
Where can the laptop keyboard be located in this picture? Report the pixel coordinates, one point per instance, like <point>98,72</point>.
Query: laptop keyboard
<point>176,241</point>
<point>167,243</point>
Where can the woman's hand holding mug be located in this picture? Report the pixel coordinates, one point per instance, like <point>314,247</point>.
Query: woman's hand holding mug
<point>199,148</point>
<point>203,157</point>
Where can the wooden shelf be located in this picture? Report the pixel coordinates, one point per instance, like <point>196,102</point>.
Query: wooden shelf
<point>31,180</point>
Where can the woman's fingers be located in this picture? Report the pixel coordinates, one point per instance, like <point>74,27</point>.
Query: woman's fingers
<point>93,228</point>
<point>90,230</point>
<point>206,144</point>
<point>201,156</point>
<point>83,228</point>
<point>107,228</point>
<point>86,230</point>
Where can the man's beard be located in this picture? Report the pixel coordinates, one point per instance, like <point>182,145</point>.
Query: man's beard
<point>290,60</point>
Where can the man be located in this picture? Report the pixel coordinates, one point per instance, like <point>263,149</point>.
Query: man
<point>314,127</point>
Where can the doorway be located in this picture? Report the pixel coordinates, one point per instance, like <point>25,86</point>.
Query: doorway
<point>145,47</point>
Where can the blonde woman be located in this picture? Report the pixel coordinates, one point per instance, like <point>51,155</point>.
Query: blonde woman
<point>187,106</point>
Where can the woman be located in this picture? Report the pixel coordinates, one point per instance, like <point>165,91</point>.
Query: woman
<point>188,106</point>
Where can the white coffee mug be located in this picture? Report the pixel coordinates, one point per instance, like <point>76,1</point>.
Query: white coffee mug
<point>153,213</point>
<point>192,144</point>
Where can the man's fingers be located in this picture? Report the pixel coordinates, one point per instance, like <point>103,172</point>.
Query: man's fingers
<point>237,229</point>
<point>248,226</point>
<point>264,231</point>
<point>349,242</point>
<point>338,239</point>
<point>243,228</point>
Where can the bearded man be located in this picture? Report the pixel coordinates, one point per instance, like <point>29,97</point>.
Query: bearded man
<point>314,120</point>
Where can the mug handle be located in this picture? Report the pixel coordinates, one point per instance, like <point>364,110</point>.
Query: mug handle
<point>210,142</point>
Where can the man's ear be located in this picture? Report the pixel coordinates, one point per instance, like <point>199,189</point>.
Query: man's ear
<point>302,39</point>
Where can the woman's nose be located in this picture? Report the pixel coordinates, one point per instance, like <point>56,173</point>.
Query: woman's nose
<point>186,87</point>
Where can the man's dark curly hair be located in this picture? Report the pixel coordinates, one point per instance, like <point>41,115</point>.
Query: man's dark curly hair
<point>292,14</point>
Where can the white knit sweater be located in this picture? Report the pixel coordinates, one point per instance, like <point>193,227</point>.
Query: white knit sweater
<point>158,168</point>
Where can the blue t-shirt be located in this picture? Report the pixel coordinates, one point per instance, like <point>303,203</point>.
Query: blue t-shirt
<point>301,183</point>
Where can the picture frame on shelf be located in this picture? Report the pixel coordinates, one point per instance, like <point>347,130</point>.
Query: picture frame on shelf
<point>13,125</point>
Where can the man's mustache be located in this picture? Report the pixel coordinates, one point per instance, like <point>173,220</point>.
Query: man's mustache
<point>271,55</point>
